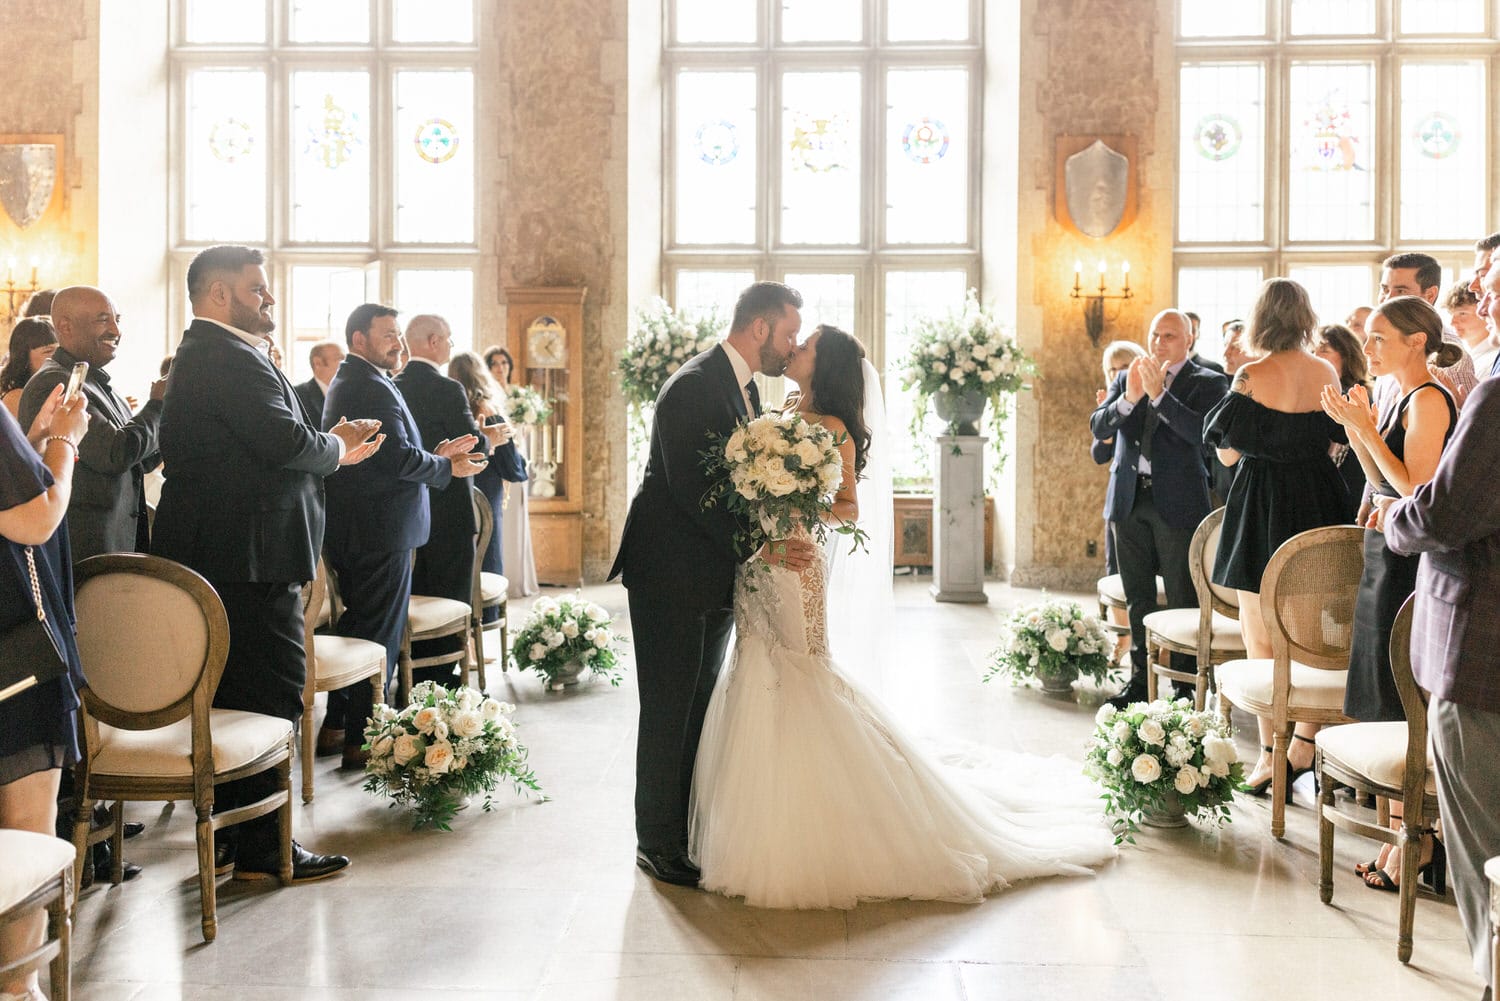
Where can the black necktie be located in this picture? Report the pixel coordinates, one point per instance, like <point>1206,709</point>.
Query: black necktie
<point>754,393</point>
<point>1495,366</point>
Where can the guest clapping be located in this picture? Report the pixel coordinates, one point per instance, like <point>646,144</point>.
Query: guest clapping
<point>1337,345</point>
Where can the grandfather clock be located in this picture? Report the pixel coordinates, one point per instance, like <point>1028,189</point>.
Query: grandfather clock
<point>544,331</point>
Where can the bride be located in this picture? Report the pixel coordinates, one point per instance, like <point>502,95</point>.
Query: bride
<point>806,793</point>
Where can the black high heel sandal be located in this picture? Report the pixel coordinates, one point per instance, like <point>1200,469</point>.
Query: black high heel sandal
<point>1259,788</point>
<point>1434,875</point>
<point>1293,774</point>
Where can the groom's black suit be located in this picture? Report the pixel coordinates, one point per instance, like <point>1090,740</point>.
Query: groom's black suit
<point>678,561</point>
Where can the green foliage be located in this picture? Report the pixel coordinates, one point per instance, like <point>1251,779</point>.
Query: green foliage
<point>559,631</point>
<point>1051,638</point>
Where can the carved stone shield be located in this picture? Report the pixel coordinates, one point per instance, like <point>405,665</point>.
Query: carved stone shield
<point>27,174</point>
<point>1097,182</point>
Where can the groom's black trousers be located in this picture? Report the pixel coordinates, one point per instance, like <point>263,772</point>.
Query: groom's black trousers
<point>678,653</point>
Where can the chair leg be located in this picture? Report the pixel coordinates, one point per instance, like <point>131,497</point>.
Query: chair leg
<point>307,752</point>
<point>60,922</point>
<point>284,816</point>
<point>1280,742</point>
<point>1325,834</point>
<point>504,635</point>
<point>207,891</point>
<point>117,844</point>
<point>81,838</point>
<point>1151,680</point>
<point>476,629</point>
<point>1411,853</point>
<point>403,687</point>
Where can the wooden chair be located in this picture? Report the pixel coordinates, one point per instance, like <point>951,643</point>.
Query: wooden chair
<point>1307,599</point>
<point>429,617</point>
<point>1210,632</point>
<point>491,590</point>
<point>1112,595</point>
<point>332,663</point>
<point>1390,760</point>
<point>36,871</point>
<point>153,637</point>
<point>1492,873</point>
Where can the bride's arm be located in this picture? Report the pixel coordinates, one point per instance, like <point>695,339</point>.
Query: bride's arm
<point>845,499</point>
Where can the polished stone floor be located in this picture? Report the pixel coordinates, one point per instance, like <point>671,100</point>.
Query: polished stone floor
<point>541,900</point>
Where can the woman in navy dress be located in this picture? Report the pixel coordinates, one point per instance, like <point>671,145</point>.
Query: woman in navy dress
<point>1337,345</point>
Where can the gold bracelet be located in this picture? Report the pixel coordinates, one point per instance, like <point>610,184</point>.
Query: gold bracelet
<point>63,438</point>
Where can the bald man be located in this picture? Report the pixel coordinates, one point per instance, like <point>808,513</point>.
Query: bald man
<point>108,510</point>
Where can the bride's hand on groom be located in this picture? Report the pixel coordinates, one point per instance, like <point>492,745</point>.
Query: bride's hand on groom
<point>793,554</point>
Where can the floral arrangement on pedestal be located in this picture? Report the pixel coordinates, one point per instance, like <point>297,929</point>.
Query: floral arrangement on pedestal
<point>961,361</point>
<point>525,407</point>
<point>1161,763</point>
<point>778,472</point>
<point>563,637</point>
<point>660,341</point>
<point>1054,642</point>
<point>444,747</point>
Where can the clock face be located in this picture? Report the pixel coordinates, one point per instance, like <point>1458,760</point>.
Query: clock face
<point>547,344</point>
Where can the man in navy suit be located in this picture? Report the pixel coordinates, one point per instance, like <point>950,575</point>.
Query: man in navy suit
<point>379,513</point>
<point>1158,482</point>
<point>444,566</point>
<point>243,506</point>
<point>325,358</point>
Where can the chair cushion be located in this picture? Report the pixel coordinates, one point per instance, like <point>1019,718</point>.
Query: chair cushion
<point>345,656</point>
<point>492,587</point>
<point>1112,590</point>
<point>427,613</point>
<point>1180,627</point>
<point>27,860</point>
<point>1247,683</point>
<point>1374,750</point>
<point>238,738</point>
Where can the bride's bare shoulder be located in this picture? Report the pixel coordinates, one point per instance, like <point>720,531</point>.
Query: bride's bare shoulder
<point>829,421</point>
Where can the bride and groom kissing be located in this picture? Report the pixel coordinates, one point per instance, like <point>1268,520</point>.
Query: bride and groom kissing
<point>779,778</point>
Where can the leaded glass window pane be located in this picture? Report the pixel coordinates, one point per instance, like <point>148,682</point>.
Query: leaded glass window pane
<point>211,22</point>
<point>715,157</point>
<point>715,21</point>
<point>826,298</point>
<point>331,157</point>
<point>446,292</point>
<point>1220,19</point>
<point>927,20</point>
<point>433,21</point>
<point>1331,178</point>
<point>322,299</point>
<point>927,156</point>
<point>1333,17</point>
<point>1442,17</point>
<point>324,21</point>
<point>1217,295</point>
<point>225,193</point>
<point>820,158</point>
<point>822,20</point>
<point>1336,290</point>
<point>434,137</point>
<point>908,295</point>
<point>1221,153</point>
<point>1442,148</point>
<point>701,292</point>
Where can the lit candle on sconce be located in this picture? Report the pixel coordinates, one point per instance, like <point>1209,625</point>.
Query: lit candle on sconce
<point>1125,269</point>
<point>33,273</point>
<point>10,270</point>
<point>1102,270</point>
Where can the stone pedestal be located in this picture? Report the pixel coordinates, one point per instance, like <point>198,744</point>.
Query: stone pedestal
<point>958,520</point>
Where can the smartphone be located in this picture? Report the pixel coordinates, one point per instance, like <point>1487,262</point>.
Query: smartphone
<point>75,381</point>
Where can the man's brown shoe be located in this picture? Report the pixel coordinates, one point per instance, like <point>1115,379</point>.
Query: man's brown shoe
<point>330,742</point>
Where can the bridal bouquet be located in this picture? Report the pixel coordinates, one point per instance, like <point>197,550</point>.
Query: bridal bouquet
<point>1163,758</point>
<point>442,748</point>
<point>658,345</point>
<point>778,472</point>
<point>525,407</point>
<point>1052,639</point>
<point>564,636</point>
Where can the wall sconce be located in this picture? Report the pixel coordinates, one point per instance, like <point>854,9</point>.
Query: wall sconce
<point>16,295</point>
<point>1093,302</point>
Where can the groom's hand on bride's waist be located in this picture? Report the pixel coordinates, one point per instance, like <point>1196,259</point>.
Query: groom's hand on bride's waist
<point>794,554</point>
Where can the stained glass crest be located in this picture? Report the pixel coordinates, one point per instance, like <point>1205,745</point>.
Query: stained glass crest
<point>230,139</point>
<point>1217,137</point>
<point>335,137</point>
<point>436,140</point>
<point>925,140</point>
<point>1334,145</point>
<point>1438,135</point>
<point>716,142</point>
<point>820,145</point>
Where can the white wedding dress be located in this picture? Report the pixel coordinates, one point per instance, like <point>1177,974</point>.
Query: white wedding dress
<point>806,793</point>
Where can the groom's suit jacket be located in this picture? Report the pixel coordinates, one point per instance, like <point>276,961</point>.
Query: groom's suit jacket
<point>670,539</point>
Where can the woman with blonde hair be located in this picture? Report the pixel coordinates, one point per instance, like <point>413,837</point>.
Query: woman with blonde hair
<point>1272,425</point>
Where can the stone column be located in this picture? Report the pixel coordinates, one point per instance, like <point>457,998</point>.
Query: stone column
<point>958,520</point>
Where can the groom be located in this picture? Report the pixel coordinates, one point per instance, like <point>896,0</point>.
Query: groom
<point>679,562</point>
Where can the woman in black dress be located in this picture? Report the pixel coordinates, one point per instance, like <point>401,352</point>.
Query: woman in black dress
<point>1398,454</point>
<point>1272,424</point>
<point>38,726</point>
<point>1337,345</point>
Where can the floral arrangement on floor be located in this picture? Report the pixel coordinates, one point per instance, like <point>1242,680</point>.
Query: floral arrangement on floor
<point>962,352</point>
<point>561,637</point>
<point>658,345</point>
<point>778,472</point>
<point>1153,752</point>
<point>1054,639</point>
<point>525,407</point>
<point>444,747</point>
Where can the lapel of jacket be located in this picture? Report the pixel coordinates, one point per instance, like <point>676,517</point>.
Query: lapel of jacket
<point>724,371</point>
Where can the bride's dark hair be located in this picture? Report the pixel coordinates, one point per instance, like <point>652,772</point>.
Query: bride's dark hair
<point>838,386</point>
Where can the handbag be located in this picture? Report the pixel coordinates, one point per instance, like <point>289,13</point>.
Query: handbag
<point>29,653</point>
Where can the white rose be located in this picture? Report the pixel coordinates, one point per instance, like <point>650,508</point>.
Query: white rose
<point>570,629</point>
<point>1218,769</point>
<point>1194,726</point>
<point>596,612</point>
<point>467,698</point>
<point>1217,750</point>
<point>407,747</point>
<point>490,709</point>
<point>808,453</point>
<point>1122,730</point>
<point>553,639</point>
<point>1151,732</point>
<point>1057,640</point>
<point>537,652</point>
<point>544,606</point>
<point>439,757</point>
<point>1186,780</point>
<point>384,714</point>
<point>602,638</point>
<point>426,718</point>
<point>1177,755</point>
<point>986,376</point>
<point>468,724</point>
<point>1106,713</point>
<point>1114,757</point>
<point>1145,768</point>
<point>939,368</point>
<point>382,747</point>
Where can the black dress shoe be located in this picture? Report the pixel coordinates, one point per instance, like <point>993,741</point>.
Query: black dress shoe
<point>306,866</point>
<point>102,873</point>
<point>1133,692</point>
<point>667,867</point>
<point>133,828</point>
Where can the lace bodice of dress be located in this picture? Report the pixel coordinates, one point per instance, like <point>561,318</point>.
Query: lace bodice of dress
<point>783,607</point>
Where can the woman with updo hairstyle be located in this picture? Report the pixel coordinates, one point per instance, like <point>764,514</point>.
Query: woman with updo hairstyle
<point>1337,345</point>
<point>1398,455</point>
<point>1272,425</point>
<point>31,343</point>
